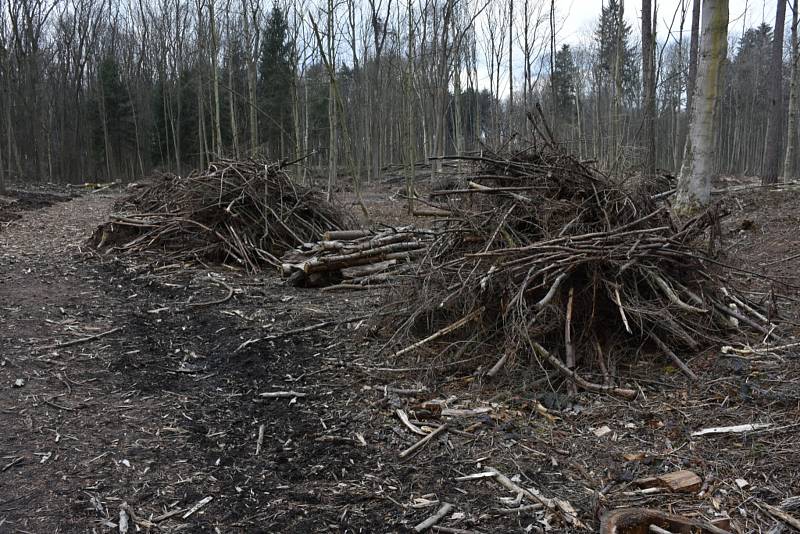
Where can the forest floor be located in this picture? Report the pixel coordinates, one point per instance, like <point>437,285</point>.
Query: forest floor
<point>120,389</point>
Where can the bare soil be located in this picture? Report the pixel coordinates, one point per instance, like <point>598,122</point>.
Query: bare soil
<point>162,409</point>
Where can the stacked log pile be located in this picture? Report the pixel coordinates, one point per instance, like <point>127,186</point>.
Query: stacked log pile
<point>245,213</point>
<point>544,258</point>
<point>355,257</point>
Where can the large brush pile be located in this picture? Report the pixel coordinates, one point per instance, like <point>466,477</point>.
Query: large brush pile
<point>242,212</point>
<point>546,257</point>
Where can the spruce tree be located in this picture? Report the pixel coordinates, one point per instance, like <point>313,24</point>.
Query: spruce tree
<point>275,85</point>
<point>612,29</point>
<point>564,73</point>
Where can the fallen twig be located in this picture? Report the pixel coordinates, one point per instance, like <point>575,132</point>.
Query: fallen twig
<point>738,429</point>
<point>81,340</point>
<point>421,443</point>
<point>202,502</point>
<point>435,518</point>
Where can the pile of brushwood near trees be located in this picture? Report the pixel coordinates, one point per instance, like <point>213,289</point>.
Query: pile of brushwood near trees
<point>245,213</point>
<point>545,258</point>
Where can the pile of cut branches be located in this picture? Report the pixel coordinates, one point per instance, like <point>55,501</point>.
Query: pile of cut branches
<point>545,257</point>
<point>355,257</point>
<point>243,212</point>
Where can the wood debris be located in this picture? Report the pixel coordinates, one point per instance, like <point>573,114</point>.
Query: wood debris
<point>551,260</point>
<point>246,213</point>
<point>354,257</point>
<point>736,429</point>
<point>678,481</point>
<point>435,518</point>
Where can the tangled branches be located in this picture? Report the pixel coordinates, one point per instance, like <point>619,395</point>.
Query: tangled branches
<point>567,266</point>
<point>244,212</point>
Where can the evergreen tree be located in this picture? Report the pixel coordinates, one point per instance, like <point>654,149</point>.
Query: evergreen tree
<point>275,85</point>
<point>564,73</point>
<point>614,33</point>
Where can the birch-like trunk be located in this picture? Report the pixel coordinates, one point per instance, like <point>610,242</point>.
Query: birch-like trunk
<point>791,129</point>
<point>694,183</point>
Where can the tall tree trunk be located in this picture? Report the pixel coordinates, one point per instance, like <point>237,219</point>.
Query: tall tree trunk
<point>252,45</point>
<point>694,183</point>
<point>772,153</point>
<point>694,46</point>
<point>510,67</point>
<point>791,130</point>
<point>616,108</point>
<point>232,109</point>
<point>329,51</point>
<point>215,78</point>
<point>649,87</point>
<point>411,153</point>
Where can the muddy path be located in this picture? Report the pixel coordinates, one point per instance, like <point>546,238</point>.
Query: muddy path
<point>159,411</point>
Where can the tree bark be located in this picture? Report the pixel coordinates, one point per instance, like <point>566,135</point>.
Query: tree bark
<point>694,183</point>
<point>215,78</point>
<point>772,152</point>
<point>694,46</point>
<point>649,88</point>
<point>791,130</point>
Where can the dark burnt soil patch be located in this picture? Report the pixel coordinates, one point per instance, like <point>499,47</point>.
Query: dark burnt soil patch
<point>14,202</point>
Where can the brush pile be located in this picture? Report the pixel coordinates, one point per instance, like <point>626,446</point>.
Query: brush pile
<point>547,258</point>
<point>246,213</point>
<point>355,257</point>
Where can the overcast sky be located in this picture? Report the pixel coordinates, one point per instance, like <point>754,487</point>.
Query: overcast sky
<point>579,17</point>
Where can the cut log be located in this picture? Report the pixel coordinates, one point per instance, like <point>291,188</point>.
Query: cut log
<point>677,481</point>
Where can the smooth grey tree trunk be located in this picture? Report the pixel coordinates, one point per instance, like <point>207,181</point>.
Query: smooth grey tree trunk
<point>694,183</point>
<point>791,130</point>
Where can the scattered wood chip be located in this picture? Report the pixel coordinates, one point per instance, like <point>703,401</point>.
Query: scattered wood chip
<point>741,483</point>
<point>123,521</point>
<point>677,481</point>
<point>602,431</point>
<point>634,456</point>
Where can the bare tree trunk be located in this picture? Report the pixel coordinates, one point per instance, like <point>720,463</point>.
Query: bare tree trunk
<point>676,155</point>
<point>251,42</point>
<point>649,86</point>
<point>616,109</point>
<point>215,77</point>
<point>694,46</point>
<point>774,141</point>
<point>791,130</point>
<point>553,55</point>
<point>694,183</point>
<point>331,102</point>
<point>510,67</point>
<point>411,152</point>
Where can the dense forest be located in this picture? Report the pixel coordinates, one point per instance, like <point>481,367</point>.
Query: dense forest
<point>94,90</point>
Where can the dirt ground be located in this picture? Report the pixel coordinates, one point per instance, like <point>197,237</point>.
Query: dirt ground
<point>124,386</point>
